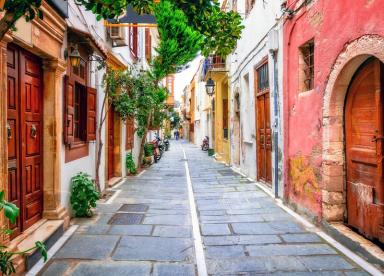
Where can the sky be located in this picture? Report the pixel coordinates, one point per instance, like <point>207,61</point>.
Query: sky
<point>184,77</point>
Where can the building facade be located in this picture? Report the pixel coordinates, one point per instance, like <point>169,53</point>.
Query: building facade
<point>333,80</point>
<point>51,112</point>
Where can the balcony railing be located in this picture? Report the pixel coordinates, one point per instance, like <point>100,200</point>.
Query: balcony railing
<point>214,63</point>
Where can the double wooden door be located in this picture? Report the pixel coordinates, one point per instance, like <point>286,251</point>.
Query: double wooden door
<point>24,131</point>
<point>364,131</point>
<point>264,138</point>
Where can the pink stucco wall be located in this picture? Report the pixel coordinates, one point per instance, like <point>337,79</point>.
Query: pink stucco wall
<point>332,25</point>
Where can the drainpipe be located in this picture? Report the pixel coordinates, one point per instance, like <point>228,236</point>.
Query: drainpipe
<point>276,122</point>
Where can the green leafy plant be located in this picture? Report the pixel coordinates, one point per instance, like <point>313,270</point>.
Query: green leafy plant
<point>11,212</point>
<point>83,195</point>
<point>130,163</point>
<point>148,149</point>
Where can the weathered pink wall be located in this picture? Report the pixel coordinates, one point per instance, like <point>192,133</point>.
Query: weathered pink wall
<point>332,25</point>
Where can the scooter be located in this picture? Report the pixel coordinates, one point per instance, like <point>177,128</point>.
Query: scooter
<point>205,145</point>
<point>156,150</point>
<point>167,144</point>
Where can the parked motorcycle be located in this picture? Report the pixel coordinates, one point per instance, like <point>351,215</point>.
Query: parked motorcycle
<point>160,144</point>
<point>167,144</point>
<point>156,151</point>
<point>205,145</point>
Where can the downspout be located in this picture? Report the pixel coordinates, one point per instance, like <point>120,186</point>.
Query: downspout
<point>276,122</point>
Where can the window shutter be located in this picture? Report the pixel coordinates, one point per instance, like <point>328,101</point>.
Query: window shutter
<point>91,114</point>
<point>148,44</point>
<point>69,98</point>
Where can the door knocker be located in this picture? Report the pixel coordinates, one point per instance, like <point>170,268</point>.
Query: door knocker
<point>33,132</point>
<point>9,131</point>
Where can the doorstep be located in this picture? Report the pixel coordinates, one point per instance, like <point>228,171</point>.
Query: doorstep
<point>113,181</point>
<point>46,231</point>
<point>356,242</point>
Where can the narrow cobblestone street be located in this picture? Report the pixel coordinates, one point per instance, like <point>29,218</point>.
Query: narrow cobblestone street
<point>147,229</point>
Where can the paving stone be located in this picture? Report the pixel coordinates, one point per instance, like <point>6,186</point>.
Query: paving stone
<point>300,238</point>
<point>167,219</point>
<point>325,262</point>
<point>134,230</point>
<point>216,252</point>
<point>289,249</point>
<point>95,229</point>
<point>121,269</point>
<point>174,270</point>
<point>241,239</point>
<point>266,228</point>
<point>230,219</point>
<point>56,268</point>
<point>95,247</point>
<point>172,231</point>
<point>154,248</point>
<point>215,229</point>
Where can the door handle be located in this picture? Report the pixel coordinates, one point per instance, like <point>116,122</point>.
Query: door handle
<point>33,131</point>
<point>375,138</point>
<point>9,131</point>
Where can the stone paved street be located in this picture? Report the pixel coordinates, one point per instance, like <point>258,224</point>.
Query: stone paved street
<point>147,229</point>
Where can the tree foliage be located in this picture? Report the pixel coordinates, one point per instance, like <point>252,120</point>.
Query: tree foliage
<point>179,42</point>
<point>220,30</point>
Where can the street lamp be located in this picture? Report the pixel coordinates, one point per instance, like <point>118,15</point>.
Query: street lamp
<point>210,87</point>
<point>75,57</point>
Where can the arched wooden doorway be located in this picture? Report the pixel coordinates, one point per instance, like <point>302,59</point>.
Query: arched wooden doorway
<point>364,137</point>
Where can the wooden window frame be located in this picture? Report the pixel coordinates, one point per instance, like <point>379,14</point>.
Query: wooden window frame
<point>133,41</point>
<point>148,45</point>
<point>265,88</point>
<point>78,147</point>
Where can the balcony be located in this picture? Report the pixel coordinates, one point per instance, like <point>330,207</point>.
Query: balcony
<point>214,65</point>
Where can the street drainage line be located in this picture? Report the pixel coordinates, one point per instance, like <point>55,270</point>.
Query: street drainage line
<point>112,198</point>
<point>199,251</point>
<point>36,269</point>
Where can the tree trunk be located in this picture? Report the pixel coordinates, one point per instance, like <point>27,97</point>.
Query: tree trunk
<point>143,141</point>
<point>7,22</point>
<point>99,141</point>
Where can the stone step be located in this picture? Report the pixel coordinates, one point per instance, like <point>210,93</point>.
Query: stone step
<point>48,233</point>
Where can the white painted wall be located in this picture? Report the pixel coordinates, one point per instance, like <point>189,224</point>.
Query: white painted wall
<point>251,49</point>
<point>85,21</point>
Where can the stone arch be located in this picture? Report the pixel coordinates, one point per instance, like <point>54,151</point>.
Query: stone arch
<point>333,165</point>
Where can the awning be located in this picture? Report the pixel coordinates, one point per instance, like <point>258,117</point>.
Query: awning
<point>84,37</point>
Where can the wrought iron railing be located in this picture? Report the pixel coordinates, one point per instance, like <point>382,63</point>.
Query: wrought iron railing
<point>213,63</point>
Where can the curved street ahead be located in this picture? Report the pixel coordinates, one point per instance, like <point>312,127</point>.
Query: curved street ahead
<point>149,228</point>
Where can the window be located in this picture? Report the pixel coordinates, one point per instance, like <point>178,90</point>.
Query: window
<point>225,119</point>
<point>306,66</point>
<point>248,6</point>
<point>79,120</point>
<point>133,41</point>
<point>130,134</point>
<point>79,116</point>
<point>262,78</point>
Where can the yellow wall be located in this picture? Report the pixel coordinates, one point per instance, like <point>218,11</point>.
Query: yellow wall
<point>221,145</point>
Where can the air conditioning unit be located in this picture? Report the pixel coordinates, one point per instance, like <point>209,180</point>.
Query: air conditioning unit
<point>118,35</point>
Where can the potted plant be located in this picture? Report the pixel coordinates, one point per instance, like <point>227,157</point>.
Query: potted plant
<point>130,164</point>
<point>148,153</point>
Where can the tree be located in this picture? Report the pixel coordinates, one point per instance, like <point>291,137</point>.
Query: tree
<point>219,29</point>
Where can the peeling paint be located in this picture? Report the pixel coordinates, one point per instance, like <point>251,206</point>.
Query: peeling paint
<point>305,179</point>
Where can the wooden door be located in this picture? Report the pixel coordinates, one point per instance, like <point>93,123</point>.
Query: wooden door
<point>263,124</point>
<point>111,143</point>
<point>24,97</point>
<point>364,151</point>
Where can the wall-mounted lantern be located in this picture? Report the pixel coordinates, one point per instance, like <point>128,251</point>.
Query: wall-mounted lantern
<point>74,57</point>
<point>210,87</point>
